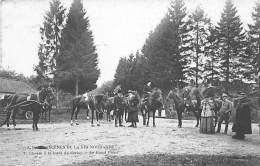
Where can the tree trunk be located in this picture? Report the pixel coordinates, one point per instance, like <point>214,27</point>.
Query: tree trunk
<point>77,87</point>
<point>57,98</point>
<point>197,55</point>
<point>259,88</point>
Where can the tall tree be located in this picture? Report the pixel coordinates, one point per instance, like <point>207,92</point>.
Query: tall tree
<point>77,63</point>
<point>168,47</point>
<point>231,38</point>
<point>49,46</point>
<point>199,25</point>
<point>182,39</point>
<point>254,46</point>
<point>212,55</point>
<point>254,42</point>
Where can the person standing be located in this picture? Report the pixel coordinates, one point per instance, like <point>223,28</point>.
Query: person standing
<point>224,112</point>
<point>119,107</point>
<point>242,120</point>
<point>133,109</point>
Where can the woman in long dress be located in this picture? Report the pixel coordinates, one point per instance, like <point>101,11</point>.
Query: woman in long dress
<point>133,109</point>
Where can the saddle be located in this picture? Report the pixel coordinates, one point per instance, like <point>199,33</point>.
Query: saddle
<point>32,97</point>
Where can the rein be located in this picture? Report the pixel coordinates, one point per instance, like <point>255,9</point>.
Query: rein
<point>21,104</point>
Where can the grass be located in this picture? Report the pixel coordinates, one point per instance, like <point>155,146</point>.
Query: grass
<point>168,160</point>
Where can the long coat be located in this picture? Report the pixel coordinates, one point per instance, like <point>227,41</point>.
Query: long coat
<point>242,119</point>
<point>133,111</point>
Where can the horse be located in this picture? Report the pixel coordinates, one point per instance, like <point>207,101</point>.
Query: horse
<point>49,100</point>
<point>189,99</point>
<point>153,103</point>
<point>89,102</point>
<point>178,103</point>
<point>33,102</point>
<point>192,100</point>
<point>109,106</point>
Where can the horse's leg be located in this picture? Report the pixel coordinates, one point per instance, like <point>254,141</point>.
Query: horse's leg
<point>45,115</point>
<point>13,117</point>
<point>49,110</point>
<point>144,116</point>
<point>154,118</point>
<point>87,113</point>
<point>97,115</point>
<point>34,119</point>
<point>121,117</point>
<point>42,115</point>
<point>108,113</point>
<point>179,113</point>
<point>76,115</point>
<point>148,113</point>
<point>92,117</point>
<point>37,120</point>
<point>72,113</point>
<point>197,116</point>
<point>8,118</point>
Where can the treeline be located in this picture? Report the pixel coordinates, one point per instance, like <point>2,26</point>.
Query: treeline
<point>189,46</point>
<point>67,53</point>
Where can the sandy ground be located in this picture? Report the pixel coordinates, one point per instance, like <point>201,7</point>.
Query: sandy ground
<point>60,143</point>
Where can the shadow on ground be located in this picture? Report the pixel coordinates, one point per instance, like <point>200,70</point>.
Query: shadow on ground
<point>167,160</point>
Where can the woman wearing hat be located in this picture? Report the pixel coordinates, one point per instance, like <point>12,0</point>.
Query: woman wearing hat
<point>242,120</point>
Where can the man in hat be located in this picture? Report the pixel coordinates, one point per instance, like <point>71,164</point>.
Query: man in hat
<point>224,112</point>
<point>147,90</point>
<point>119,107</point>
<point>242,121</point>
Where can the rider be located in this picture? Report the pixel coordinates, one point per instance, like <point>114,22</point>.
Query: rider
<point>224,112</point>
<point>147,90</point>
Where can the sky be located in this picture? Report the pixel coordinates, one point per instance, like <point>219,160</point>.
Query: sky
<point>120,27</point>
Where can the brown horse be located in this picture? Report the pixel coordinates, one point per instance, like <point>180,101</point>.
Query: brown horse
<point>178,103</point>
<point>89,102</point>
<point>189,99</point>
<point>153,103</point>
<point>35,103</point>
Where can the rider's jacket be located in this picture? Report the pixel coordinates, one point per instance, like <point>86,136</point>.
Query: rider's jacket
<point>147,89</point>
<point>119,102</point>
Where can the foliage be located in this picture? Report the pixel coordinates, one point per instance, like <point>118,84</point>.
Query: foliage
<point>231,40</point>
<point>77,63</point>
<point>253,47</point>
<point>49,46</point>
<point>200,33</point>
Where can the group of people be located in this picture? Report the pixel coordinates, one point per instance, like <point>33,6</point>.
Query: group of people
<point>238,111</point>
<point>131,105</point>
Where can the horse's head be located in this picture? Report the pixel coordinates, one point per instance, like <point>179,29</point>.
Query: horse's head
<point>5,99</point>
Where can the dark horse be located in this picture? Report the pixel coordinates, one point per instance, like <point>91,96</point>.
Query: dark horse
<point>36,103</point>
<point>178,103</point>
<point>153,103</point>
<point>89,102</point>
<point>190,99</point>
<point>110,107</point>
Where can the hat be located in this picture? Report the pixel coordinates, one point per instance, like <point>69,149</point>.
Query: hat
<point>241,93</point>
<point>224,95</point>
